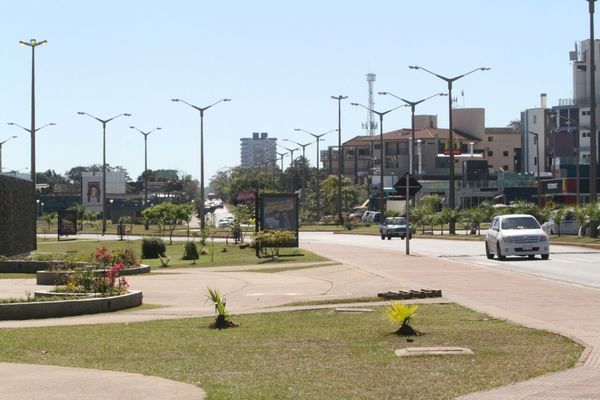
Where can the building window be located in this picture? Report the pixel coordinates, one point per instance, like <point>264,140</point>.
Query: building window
<point>534,160</point>
<point>490,153</point>
<point>505,153</point>
<point>505,167</point>
<point>534,119</point>
<point>490,138</point>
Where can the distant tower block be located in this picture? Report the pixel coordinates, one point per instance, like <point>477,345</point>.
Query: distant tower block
<point>371,125</point>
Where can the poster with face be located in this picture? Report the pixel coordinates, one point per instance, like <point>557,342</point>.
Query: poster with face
<point>91,193</point>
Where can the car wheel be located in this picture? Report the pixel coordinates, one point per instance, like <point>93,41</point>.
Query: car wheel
<point>545,256</point>
<point>531,256</point>
<point>389,237</point>
<point>500,256</point>
<point>489,255</point>
<point>382,236</point>
<point>402,237</point>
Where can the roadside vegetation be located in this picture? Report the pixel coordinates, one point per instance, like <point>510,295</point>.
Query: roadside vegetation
<point>315,355</point>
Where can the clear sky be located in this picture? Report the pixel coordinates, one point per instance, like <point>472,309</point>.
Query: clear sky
<point>279,62</point>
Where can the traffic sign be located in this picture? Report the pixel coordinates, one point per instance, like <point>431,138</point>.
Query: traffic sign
<point>413,185</point>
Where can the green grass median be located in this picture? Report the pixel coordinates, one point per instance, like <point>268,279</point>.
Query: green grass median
<point>318,354</point>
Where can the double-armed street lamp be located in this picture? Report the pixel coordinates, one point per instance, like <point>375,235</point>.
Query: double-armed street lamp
<point>299,144</point>
<point>412,105</point>
<point>201,110</point>
<point>339,99</point>
<point>451,178</point>
<point>103,122</point>
<point>33,43</point>
<point>1,143</point>
<point>381,152</point>
<point>145,159</point>
<point>317,139</point>
<point>291,153</point>
<point>32,133</point>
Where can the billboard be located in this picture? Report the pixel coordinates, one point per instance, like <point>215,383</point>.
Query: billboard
<point>279,211</point>
<point>91,192</point>
<point>67,222</point>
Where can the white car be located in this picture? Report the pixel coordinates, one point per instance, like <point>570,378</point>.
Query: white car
<point>516,235</point>
<point>568,226</point>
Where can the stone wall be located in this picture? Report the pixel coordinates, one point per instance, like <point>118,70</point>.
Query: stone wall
<point>17,216</point>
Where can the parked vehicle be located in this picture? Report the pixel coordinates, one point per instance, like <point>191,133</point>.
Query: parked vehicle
<point>367,216</point>
<point>568,225</point>
<point>516,235</point>
<point>393,227</point>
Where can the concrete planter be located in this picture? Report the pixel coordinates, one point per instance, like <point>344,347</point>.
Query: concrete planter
<point>27,266</point>
<point>59,277</point>
<point>64,308</point>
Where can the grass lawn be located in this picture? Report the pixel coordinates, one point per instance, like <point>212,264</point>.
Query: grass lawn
<point>10,275</point>
<point>223,254</point>
<point>306,354</point>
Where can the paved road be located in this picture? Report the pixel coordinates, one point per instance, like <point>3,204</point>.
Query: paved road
<point>567,263</point>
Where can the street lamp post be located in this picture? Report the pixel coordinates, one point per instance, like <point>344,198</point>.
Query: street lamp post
<point>1,143</point>
<point>340,158</point>
<point>412,105</point>
<point>33,44</point>
<point>593,128</point>
<point>537,151</point>
<point>103,122</point>
<point>381,152</point>
<point>201,110</point>
<point>301,145</point>
<point>145,159</point>
<point>451,191</point>
<point>318,193</point>
<point>32,133</point>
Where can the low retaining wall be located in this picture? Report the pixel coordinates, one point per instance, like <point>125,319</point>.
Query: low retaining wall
<point>64,308</point>
<point>24,267</point>
<point>59,277</point>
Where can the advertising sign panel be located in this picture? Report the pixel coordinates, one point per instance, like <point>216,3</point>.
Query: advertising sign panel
<point>91,192</point>
<point>67,222</point>
<point>279,211</point>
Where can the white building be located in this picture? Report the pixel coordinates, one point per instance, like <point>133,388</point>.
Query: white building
<point>257,150</point>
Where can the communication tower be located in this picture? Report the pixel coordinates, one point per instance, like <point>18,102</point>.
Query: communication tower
<point>371,125</point>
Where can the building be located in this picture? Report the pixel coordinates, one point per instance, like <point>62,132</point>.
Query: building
<point>481,155</point>
<point>257,150</point>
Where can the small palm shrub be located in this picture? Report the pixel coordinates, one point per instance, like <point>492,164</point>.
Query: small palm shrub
<point>399,313</point>
<point>221,322</point>
<point>153,248</point>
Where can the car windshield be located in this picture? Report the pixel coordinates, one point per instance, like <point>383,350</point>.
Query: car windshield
<point>520,223</point>
<point>396,221</point>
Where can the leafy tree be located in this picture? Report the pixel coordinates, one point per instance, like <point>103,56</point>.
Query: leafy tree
<point>167,214</point>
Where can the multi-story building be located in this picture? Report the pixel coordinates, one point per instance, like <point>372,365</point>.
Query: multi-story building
<point>479,153</point>
<point>257,150</point>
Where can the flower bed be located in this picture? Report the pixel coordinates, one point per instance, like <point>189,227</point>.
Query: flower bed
<point>60,277</point>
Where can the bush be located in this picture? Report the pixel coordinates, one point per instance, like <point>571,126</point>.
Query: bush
<point>153,248</point>
<point>126,257</point>
<point>269,242</point>
<point>190,251</point>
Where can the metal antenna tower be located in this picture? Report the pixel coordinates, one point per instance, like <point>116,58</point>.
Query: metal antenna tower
<point>371,125</point>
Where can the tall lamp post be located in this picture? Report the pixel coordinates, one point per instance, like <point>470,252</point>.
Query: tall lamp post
<point>413,105</point>
<point>317,139</point>
<point>1,143</point>
<point>103,122</point>
<point>451,191</point>
<point>340,158</point>
<point>593,129</point>
<point>201,110</point>
<point>537,152</point>
<point>299,144</point>
<point>32,133</point>
<point>381,152</point>
<point>33,44</point>
<point>291,153</point>
<point>145,159</point>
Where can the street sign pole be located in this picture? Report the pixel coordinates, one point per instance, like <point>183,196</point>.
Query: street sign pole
<point>411,187</point>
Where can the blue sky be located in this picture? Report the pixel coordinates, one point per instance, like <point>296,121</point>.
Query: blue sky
<point>279,61</point>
